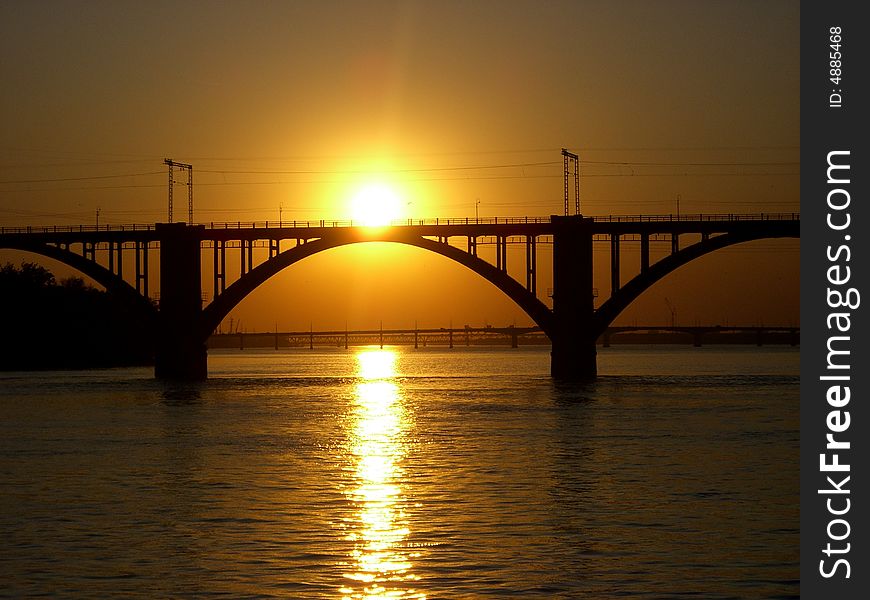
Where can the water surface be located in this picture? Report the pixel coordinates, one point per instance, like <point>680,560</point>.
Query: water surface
<point>436,473</point>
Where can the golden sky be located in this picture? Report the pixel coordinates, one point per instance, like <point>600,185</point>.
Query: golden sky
<point>294,106</point>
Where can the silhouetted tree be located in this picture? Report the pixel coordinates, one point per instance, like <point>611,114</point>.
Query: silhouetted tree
<point>30,276</point>
<point>66,325</point>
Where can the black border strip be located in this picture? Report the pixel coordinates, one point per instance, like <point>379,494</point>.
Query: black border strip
<point>835,302</point>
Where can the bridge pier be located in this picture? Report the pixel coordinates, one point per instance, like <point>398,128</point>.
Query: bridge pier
<point>573,356</point>
<point>181,348</point>
<point>576,362</point>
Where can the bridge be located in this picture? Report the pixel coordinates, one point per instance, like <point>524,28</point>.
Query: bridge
<point>416,336</point>
<point>183,321</point>
<point>489,335</point>
<point>699,332</point>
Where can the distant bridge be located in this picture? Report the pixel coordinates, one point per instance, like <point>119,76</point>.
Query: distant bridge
<point>573,324</point>
<point>444,336</point>
<point>703,333</point>
<point>347,338</point>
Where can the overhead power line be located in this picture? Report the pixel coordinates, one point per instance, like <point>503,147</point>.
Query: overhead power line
<point>456,169</point>
<point>367,171</point>
<point>416,179</point>
<point>89,178</point>
<point>691,164</point>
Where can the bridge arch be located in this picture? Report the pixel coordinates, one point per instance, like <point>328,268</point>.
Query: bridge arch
<point>221,306</point>
<point>629,292</point>
<point>114,284</point>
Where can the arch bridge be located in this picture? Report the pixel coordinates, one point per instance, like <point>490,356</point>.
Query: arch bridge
<point>184,322</point>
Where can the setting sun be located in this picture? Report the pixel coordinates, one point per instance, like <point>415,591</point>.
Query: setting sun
<point>375,205</point>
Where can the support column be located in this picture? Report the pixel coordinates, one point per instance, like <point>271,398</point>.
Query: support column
<point>573,355</point>
<point>220,266</point>
<point>531,264</point>
<point>644,252</point>
<point>138,263</point>
<point>145,269</point>
<point>215,272</point>
<point>614,263</point>
<point>504,253</point>
<point>181,349</point>
<point>223,266</point>
<point>502,249</point>
<point>142,268</point>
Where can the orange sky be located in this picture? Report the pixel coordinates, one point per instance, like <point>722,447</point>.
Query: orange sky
<point>298,104</point>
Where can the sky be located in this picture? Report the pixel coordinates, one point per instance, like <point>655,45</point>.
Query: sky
<point>292,107</point>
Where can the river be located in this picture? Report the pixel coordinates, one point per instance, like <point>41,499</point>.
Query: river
<point>401,473</point>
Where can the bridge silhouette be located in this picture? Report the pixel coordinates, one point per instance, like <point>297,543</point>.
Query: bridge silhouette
<point>183,321</point>
<point>468,335</point>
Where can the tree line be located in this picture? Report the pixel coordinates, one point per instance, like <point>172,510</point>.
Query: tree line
<point>66,324</point>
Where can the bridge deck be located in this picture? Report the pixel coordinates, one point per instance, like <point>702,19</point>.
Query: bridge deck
<point>496,226</point>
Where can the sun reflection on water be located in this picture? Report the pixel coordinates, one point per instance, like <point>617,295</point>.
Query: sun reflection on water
<point>382,563</point>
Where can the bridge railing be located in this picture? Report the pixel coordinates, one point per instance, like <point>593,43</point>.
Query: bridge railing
<point>323,223</point>
<point>505,220</point>
<point>395,223</point>
<point>699,217</point>
<point>78,228</point>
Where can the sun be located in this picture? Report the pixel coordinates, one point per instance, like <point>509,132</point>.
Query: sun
<point>375,205</point>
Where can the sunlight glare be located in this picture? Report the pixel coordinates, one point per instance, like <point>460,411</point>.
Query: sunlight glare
<point>383,566</point>
<point>375,205</point>
<point>377,364</point>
